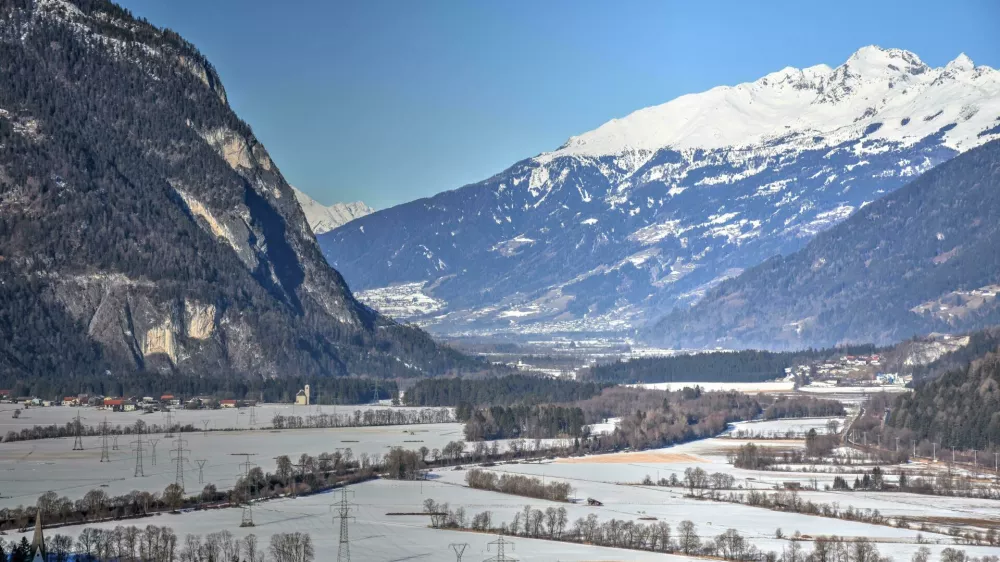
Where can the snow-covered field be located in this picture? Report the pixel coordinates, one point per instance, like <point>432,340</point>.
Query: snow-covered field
<point>776,428</point>
<point>751,387</point>
<point>822,389</point>
<point>376,536</point>
<point>223,418</point>
<point>30,468</point>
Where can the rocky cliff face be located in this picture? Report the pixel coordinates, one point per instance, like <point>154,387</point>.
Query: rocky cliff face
<point>143,226</point>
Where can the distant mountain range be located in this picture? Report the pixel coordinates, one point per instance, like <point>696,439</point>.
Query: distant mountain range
<point>144,229</point>
<point>925,258</point>
<point>323,218</point>
<point>647,213</point>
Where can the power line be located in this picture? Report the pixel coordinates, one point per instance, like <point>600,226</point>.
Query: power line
<point>501,544</point>
<point>170,423</point>
<point>459,549</point>
<point>138,450</point>
<point>201,470</point>
<point>78,442</point>
<point>179,458</point>
<point>343,513</point>
<point>247,520</point>
<point>153,443</point>
<point>105,455</point>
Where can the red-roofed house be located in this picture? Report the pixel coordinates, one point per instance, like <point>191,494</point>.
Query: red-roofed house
<point>227,403</point>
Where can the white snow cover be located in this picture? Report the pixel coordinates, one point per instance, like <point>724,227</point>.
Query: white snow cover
<point>322,218</point>
<point>875,85</point>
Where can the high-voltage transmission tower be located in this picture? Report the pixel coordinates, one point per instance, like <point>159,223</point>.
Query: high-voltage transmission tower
<point>138,450</point>
<point>375,395</point>
<point>205,423</point>
<point>253,414</point>
<point>180,459</point>
<point>343,512</point>
<point>459,549</point>
<point>201,470</point>
<point>152,443</point>
<point>105,455</point>
<point>170,424</point>
<point>501,544</point>
<point>78,442</point>
<point>247,520</point>
<point>114,442</point>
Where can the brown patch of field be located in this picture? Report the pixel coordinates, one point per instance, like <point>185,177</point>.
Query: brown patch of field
<point>957,521</point>
<point>625,458</point>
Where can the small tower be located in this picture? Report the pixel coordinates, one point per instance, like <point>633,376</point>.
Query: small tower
<point>38,540</point>
<point>307,394</point>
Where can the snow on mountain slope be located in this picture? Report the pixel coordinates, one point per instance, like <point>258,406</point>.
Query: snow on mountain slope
<point>322,218</point>
<point>645,213</point>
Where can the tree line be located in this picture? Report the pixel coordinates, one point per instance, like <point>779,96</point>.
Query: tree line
<point>518,485</point>
<point>161,544</point>
<point>725,366</point>
<point>501,391</point>
<point>512,422</point>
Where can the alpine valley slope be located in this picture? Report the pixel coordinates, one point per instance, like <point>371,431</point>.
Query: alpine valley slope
<point>645,213</point>
<point>144,228</point>
<point>925,258</point>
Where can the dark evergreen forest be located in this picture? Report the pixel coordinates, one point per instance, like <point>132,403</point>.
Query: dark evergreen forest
<point>731,366</point>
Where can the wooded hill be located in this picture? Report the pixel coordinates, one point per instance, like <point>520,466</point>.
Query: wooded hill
<point>143,227</point>
<point>921,259</point>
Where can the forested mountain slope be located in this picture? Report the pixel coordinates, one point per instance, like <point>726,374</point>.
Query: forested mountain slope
<point>961,407</point>
<point>922,259</point>
<point>144,228</point>
<point>647,212</point>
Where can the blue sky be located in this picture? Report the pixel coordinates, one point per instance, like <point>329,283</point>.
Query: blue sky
<point>388,101</point>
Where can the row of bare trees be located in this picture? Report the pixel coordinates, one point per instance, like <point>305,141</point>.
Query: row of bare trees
<point>161,544</point>
<point>365,418</point>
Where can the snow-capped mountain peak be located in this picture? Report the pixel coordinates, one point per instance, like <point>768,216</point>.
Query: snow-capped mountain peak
<point>874,85</point>
<point>649,211</point>
<point>322,218</point>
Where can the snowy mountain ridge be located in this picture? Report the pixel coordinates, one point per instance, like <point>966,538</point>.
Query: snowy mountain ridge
<point>645,213</point>
<point>323,218</point>
<point>874,85</point>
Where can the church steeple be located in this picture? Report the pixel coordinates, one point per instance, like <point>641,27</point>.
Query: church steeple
<point>38,540</point>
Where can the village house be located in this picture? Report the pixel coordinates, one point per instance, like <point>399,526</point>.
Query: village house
<point>227,403</point>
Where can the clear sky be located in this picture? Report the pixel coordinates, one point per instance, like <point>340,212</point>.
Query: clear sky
<point>388,101</point>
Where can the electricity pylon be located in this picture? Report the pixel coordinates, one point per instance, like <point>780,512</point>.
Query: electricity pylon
<point>114,442</point>
<point>375,395</point>
<point>343,508</point>
<point>205,423</point>
<point>201,470</point>
<point>105,455</point>
<point>153,443</point>
<point>138,450</point>
<point>247,520</point>
<point>459,549</point>
<point>253,415</point>
<point>180,458</point>
<point>170,424</point>
<point>78,442</point>
<point>501,544</point>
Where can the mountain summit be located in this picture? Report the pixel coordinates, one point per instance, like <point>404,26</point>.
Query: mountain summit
<point>626,222</point>
<point>322,218</point>
<point>144,228</point>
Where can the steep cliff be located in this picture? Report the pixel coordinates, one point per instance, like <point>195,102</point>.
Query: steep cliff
<point>144,228</point>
